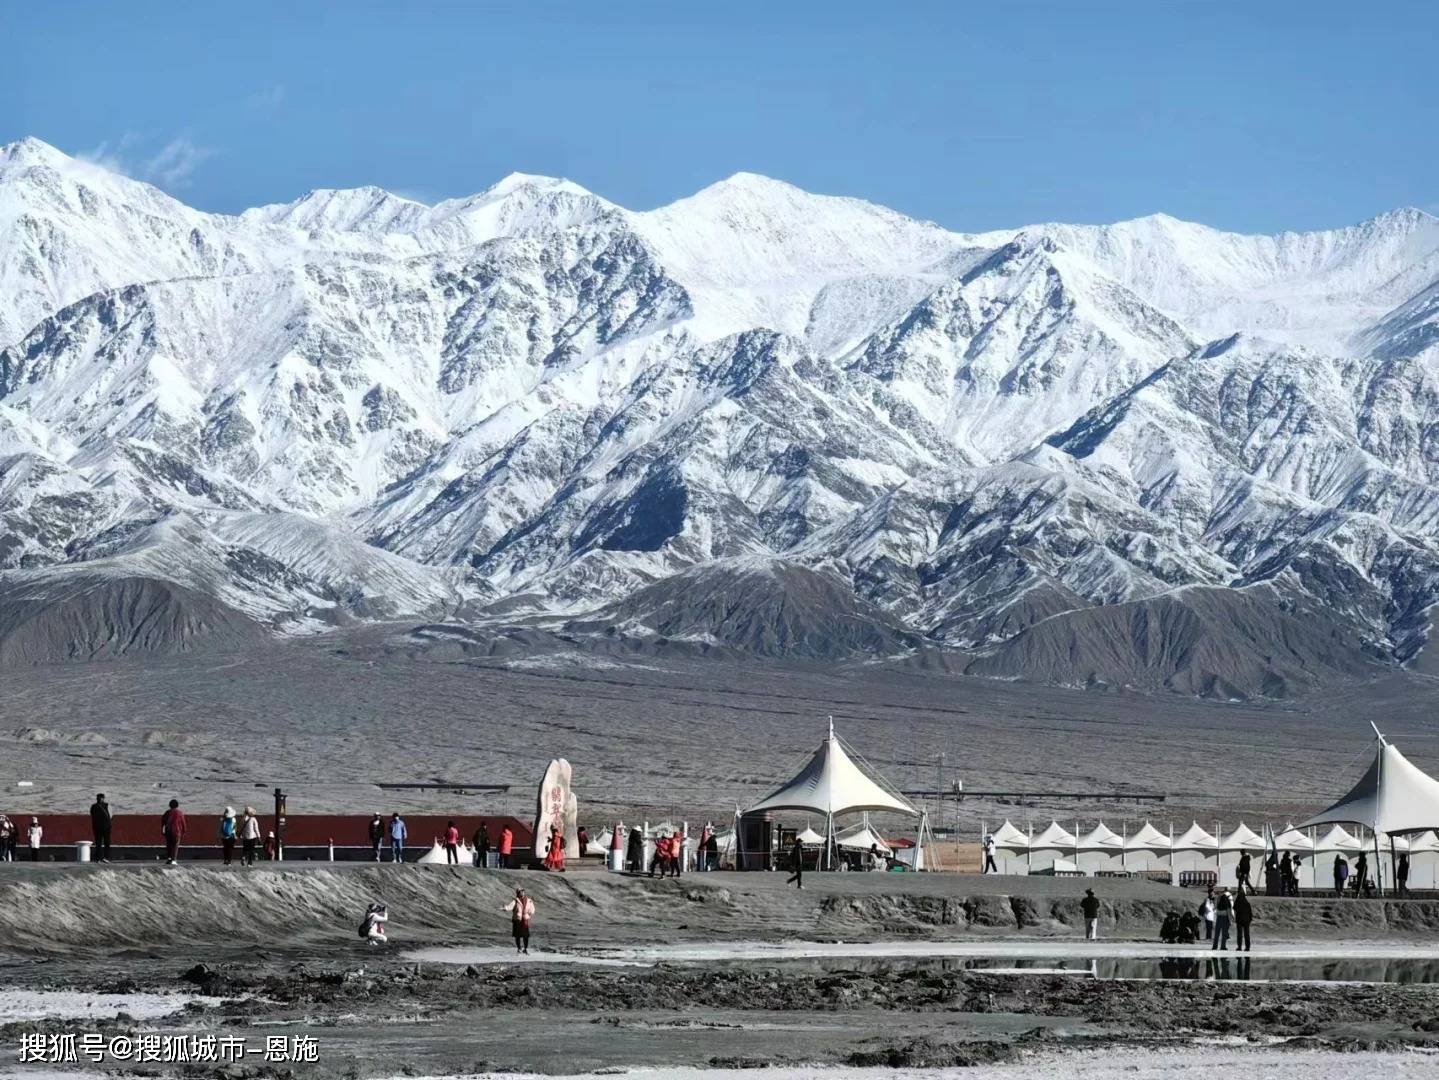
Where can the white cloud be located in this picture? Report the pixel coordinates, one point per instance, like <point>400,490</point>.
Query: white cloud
<point>170,167</point>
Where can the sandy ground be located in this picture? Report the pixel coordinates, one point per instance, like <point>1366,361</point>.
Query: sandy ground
<point>722,971</point>
<point>656,739</point>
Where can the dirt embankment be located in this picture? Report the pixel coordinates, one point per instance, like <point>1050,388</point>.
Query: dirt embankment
<point>101,909</point>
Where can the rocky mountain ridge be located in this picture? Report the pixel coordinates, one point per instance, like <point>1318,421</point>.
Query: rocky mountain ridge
<point>1147,454</point>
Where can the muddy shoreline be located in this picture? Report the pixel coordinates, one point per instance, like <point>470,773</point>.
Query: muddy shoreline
<point>280,951</point>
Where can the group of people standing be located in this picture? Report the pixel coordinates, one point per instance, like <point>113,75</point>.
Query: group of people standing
<point>10,838</point>
<point>397,833</point>
<point>1359,883</point>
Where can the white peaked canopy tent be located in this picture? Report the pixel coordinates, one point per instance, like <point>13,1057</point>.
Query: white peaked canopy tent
<point>809,836</point>
<point>861,838</point>
<point>1101,838</point>
<point>1149,839</point>
<point>1337,839</point>
<point>1292,839</point>
<point>1056,837</point>
<point>1393,797</point>
<point>1010,838</point>
<point>833,783</point>
<point>1242,839</point>
<point>1195,839</point>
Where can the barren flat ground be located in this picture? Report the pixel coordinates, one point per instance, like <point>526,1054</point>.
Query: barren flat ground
<point>711,971</point>
<point>655,737</point>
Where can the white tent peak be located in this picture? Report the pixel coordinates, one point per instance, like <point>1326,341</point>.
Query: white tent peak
<point>833,783</point>
<point>1242,838</point>
<point>1195,837</point>
<point>1101,837</point>
<point>1008,837</point>
<point>1056,836</point>
<point>1147,838</point>
<point>1393,796</point>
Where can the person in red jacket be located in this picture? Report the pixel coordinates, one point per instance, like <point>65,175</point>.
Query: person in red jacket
<point>172,827</point>
<point>507,845</point>
<point>452,845</point>
<point>555,853</point>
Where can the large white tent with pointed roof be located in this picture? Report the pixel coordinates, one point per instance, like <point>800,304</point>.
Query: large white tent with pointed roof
<point>833,783</point>
<point>1394,796</point>
<point>837,781</point>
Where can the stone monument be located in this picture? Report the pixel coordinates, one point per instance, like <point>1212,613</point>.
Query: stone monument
<point>557,806</point>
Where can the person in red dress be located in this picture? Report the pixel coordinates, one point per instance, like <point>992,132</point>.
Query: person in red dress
<point>555,856</point>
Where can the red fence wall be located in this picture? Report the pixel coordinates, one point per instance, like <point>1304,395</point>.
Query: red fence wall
<point>301,830</point>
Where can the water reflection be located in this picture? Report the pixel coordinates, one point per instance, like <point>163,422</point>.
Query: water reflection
<point>1230,966</point>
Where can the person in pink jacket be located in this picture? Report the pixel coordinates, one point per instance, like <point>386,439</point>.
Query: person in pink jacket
<point>522,913</point>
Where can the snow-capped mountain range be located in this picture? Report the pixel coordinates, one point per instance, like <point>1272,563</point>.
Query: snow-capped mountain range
<point>1147,453</point>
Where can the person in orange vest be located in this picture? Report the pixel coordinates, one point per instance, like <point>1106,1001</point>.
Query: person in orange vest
<point>507,847</point>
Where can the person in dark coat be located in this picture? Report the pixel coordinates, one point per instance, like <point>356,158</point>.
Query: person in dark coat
<point>1169,929</point>
<point>172,828</point>
<point>635,852</point>
<point>482,845</point>
<point>1361,875</point>
<point>1189,928</point>
<point>377,835</point>
<point>1223,911</point>
<point>1341,875</point>
<point>796,861</point>
<point>1286,876</point>
<point>100,827</point>
<point>1271,875</point>
<point>1401,874</point>
<point>1243,916</point>
<point>1241,872</point>
<point>1090,907</point>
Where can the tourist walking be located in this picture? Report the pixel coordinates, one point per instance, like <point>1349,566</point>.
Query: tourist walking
<point>172,827</point>
<point>702,849</point>
<point>1206,912</point>
<point>33,836</point>
<point>507,847</point>
<point>1401,874</point>
<point>452,845</point>
<point>635,852</point>
<point>377,835</point>
<point>989,866</point>
<point>1361,875</point>
<point>1223,910</point>
<point>555,851</point>
<point>7,839</point>
<point>1090,907</point>
<point>228,833</point>
<point>712,851</point>
<point>481,841</point>
<point>1286,876</point>
<point>1241,872</point>
<point>796,862</point>
<point>1243,916</point>
<point>249,836</point>
<point>100,828</point>
<point>1341,875</point>
<point>522,913</point>
<point>398,835</point>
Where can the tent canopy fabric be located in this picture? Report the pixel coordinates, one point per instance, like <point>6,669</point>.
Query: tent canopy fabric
<point>1393,796</point>
<point>1054,837</point>
<point>1291,839</point>
<point>1195,838</point>
<point>809,836</point>
<point>1337,839</point>
<point>1010,838</point>
<point>1242,839</point>
<point>862,837</point>
<point>1101,838</point>
<point>833,783</point>
<point>1148,839</point>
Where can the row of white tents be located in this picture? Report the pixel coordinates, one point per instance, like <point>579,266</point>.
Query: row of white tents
<point>1151,849</point>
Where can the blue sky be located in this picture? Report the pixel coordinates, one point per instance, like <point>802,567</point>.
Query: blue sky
<point>1252,116</point>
